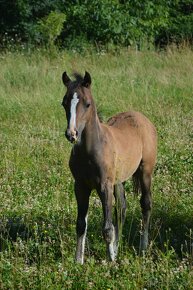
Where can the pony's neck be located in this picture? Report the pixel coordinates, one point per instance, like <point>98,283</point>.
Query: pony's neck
<point>92,132</point>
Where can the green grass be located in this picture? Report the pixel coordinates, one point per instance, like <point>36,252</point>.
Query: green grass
<point>37,204</point>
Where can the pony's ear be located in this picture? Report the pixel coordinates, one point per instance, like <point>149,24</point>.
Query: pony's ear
<point>87,80</point>
<point>66,79</point>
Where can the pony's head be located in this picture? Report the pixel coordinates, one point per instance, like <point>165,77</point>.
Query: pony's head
<point>77,103</point>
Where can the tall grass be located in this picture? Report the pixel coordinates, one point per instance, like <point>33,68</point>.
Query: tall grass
<point>37,204</point>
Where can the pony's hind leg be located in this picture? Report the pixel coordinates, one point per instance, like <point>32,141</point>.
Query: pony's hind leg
<point>120,212</point>
<point>82,196</point>
<point>146,205</point>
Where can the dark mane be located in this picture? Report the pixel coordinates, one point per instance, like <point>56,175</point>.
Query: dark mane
<point>78,78</point>
<point>100,115</point>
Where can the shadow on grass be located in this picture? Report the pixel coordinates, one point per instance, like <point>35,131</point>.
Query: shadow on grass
<point>41,237</point>
<point>166,231</point>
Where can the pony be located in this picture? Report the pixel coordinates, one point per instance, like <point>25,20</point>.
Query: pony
<point>103,157</point>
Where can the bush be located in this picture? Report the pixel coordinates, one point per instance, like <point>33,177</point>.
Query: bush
<point>50,27</point>
<point>101,22</point>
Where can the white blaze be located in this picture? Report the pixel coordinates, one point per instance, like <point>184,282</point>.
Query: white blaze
<point>74,103</point>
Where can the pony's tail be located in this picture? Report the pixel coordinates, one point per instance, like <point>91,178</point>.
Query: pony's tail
<point>136,183</point>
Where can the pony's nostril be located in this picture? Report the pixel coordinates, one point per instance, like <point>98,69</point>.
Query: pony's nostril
<point>71,136</point>
<point>74,135</point>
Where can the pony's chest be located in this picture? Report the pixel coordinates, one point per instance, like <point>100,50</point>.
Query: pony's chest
<point>85,169</point>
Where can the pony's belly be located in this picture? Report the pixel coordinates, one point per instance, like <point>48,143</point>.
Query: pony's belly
<point>127,168</point>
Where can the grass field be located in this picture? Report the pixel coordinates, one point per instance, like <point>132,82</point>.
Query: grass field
<point>37,203</point>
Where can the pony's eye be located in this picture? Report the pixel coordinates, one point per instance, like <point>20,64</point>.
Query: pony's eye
<point>87,105</point>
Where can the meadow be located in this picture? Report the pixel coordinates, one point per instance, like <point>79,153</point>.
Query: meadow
<point>37,203</point>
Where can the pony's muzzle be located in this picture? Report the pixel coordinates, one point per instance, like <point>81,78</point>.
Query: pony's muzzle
<point>71,135</point>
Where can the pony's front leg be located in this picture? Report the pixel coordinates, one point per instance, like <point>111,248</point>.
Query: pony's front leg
<point>82,196</point>
<point>106,195</point>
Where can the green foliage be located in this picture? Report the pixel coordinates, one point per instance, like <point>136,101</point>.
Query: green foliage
<point>19,18</point>
<point>50,27</point>
<point>122,24</point>
<point>98,22</point>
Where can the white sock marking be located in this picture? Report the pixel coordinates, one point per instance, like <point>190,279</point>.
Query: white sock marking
<point>111,246</point>
<point>81,245</point>
<point>83,241</point>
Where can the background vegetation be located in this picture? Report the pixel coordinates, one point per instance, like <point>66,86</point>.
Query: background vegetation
<point>37,204</point>
<point>102,23</point>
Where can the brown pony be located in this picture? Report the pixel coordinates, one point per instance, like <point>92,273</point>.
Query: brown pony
<point>103,157</point>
